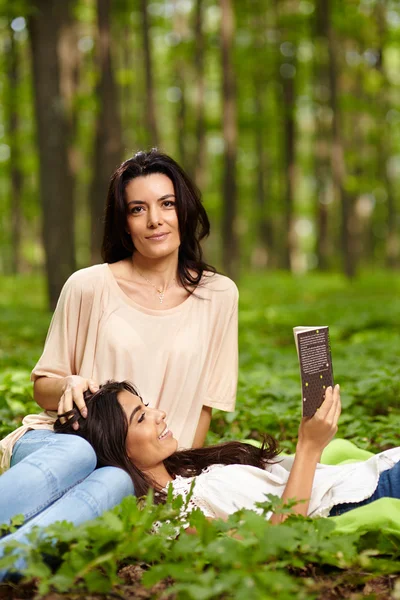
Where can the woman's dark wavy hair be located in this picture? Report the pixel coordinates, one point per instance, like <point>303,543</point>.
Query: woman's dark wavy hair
<point>192,217</point>
<point>106,429</point>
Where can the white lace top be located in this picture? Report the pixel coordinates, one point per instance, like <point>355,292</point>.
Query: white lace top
<point>221,490</point>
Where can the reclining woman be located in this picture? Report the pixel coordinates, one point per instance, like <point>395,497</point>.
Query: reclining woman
<point>153,312</point>
<point>127,433</point>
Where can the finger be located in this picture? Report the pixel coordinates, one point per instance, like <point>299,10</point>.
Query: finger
<point>335,402</point>
<point>93,386</point>
<point>65,405</point>
<point>68,402</point>
<point>61,411</point>
<point>338,407</point>
<point>79,402</point>
<point>326,404</point>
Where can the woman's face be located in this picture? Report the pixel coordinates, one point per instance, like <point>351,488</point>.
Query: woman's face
<point>149,441</point>
<point>152,220</point>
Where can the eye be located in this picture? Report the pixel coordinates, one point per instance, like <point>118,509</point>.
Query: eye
<point>141,418</point>
<point>169,204</point>
<point>135,210</point>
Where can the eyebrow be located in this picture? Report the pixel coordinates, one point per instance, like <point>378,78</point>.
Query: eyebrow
<point>133,413</point>
<point>158,199</point>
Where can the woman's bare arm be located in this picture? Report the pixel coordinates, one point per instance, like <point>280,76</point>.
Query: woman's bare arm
<point>47,391</point>
<point>202,427</point>
<point>314,434</point>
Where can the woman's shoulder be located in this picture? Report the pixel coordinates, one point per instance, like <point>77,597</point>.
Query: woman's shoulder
<point>215,282</point>
<point>88,276</point>
<point>86,282</point>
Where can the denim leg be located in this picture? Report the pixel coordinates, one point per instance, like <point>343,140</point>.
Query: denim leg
<point>44,466</point>
<point>100,491</point>
<point>388,487</point>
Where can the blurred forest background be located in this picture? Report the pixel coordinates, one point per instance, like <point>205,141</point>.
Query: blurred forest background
<point>286,113</point>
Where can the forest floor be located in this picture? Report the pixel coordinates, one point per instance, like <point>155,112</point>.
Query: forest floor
<point>306,560</point>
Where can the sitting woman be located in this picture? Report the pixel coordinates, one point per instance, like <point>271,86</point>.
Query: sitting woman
<point>128,434</point>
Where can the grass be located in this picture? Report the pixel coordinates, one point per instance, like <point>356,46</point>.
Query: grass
<point>303,561</point>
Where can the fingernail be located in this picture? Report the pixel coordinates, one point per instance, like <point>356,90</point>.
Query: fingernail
<point>84,413</point>
<point>337,386</point>
<point>75,426</point>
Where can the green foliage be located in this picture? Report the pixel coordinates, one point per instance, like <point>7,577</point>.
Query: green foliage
<point>246,556</point>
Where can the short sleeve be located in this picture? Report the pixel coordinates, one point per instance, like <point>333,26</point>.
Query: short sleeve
<point>222,386</point>
<point>72,329</point>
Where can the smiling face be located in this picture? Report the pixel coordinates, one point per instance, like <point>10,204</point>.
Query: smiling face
<point>149,441</point>
<point>152,220</point>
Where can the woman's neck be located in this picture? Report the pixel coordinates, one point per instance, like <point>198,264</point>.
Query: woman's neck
<point>161,272</point>
<point>160,475</point>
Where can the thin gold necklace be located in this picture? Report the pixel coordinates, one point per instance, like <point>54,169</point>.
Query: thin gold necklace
<point>160,291</point>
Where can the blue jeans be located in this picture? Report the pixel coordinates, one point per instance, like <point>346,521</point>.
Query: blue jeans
<point>53,477</point>
<point>388,487</point>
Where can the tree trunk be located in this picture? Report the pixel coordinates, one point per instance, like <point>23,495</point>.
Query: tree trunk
<point>16,177</point>
<point>181,76</point>
<point>70,59</point>
<point>148,64</point>
<point>199,159</point>
<point>262,253</point>
<point>290,166</point>
<point>52,129</point>
<point>337,156</point>
<point>384,147</point>
<point>287,70</point>
<point>322,135</point>
<point>108,137</point>
<point>230,250</point>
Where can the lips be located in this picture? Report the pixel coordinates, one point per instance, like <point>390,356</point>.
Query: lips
<point>164,434</point>
<point>158,236</point>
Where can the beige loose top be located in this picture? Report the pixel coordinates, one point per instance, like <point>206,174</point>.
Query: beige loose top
<point>179,358</point>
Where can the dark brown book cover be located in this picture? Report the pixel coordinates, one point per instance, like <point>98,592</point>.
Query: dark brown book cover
<point>314,352</point>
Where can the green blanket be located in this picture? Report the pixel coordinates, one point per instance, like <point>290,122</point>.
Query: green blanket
<point>382,515</point>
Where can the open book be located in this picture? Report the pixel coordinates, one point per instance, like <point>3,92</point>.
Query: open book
<point>314,352</point>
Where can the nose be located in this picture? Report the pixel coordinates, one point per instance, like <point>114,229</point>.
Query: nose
<point>159,415</point>
<point>154,216</point>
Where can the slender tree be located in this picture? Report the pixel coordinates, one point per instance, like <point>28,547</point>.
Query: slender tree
<point>262,254</point>
<point>151,118</point>
<point>199,159</point>
<point>322,162</point>
<point>288,67</point>
<point>45,24</point>
<point>337,155</point>
<point>108,136</point>
<point>230,238</point>
<point>16,176</point>
<point>384,143</point>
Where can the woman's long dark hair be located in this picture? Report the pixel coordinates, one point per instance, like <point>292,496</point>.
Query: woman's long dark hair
<point>192,217</point>
<point>106,429</point>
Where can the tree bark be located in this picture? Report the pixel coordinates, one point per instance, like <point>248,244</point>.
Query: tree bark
<point>289,138</point>
<point>322,135</point>
<point>108,136</point>
<point>287,78</point>
<point>262,253</point>
<point>16,177</point>
<point>44,25</point>
<point>199,159</point>
<point>230,240</point>
<point>384,145</point>
<point>337,155</point>
<point>151,118</point>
